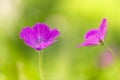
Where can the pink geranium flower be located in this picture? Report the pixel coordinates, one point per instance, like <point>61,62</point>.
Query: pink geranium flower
<point>39,36</point>
<point>95,36</point>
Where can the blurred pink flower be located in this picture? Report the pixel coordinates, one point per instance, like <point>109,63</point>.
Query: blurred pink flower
<point>95,36</point>
<point>106,59</point>
<point>39,36</point>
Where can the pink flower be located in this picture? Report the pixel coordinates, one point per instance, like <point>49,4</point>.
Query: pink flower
<point>39,36</point>
<point>106,59</point>
<point>95,36</point>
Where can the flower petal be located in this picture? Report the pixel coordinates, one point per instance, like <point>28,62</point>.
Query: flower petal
<point>91,33</point>
<point>43,45</point>
<point>91,41</point>
<point>29,36</point>
<point>53,34</point>
<point>103,29</point>
<point>41,30</point>
<point>87,43</point>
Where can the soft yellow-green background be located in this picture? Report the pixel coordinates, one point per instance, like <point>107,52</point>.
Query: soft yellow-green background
<point>62,60</point>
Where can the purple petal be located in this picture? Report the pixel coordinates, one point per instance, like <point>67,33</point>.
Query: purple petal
<point>43,45</point>
<point>91,41</point>
<point>103,29</point>
<point>91,33</point>
<point>87,43</point>
<point>41,30</point>
<point>53,34</point>
<point>28,35</point>
<point>29,43</point>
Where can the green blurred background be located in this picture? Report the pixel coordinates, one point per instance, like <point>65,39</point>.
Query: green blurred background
<point>62,60</point>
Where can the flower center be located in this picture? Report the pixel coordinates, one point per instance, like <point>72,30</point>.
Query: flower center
<point>39,40</point>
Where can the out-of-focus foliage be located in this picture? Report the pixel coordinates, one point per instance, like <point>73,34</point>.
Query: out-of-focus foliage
<point>61,61</point>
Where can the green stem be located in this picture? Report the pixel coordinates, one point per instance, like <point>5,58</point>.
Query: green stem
<point>115,57</point>
<point>40,65</point>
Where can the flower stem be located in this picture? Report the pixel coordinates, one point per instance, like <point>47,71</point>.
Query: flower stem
<point>115,57</point>
<point>40,65</point>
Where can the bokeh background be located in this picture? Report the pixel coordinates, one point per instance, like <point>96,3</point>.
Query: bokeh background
<point>62,60</point>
